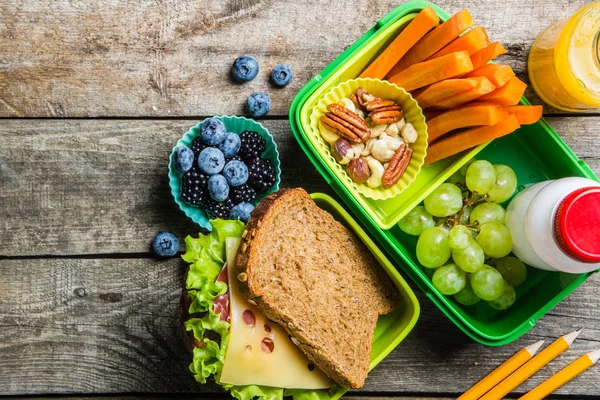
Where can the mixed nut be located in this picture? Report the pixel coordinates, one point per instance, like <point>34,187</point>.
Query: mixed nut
<point>370,136</point>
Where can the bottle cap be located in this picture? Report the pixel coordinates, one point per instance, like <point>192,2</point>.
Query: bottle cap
<point>577,224</point>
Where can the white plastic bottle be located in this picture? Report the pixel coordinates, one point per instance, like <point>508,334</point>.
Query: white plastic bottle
<point>555,225</point>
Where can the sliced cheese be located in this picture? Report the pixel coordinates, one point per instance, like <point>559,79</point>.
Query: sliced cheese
<point>260,351</point>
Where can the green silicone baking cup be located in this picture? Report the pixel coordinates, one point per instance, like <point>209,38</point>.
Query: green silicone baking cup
<point>234,124</point>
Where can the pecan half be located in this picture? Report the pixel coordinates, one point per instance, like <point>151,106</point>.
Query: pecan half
<point>397,166</point>
<point>360,100</point>
<point>386,117</point>
<point>346,123</point>
<point>388,108</point>
<point>378,103</point>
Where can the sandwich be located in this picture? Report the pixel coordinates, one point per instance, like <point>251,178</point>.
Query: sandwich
<point>285,305</point>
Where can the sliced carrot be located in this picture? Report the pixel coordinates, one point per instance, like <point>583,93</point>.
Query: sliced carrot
<point>469,138</point>
<point>472,41</point>
<point>430,114</point>
<point>428,72</point>
<point>487,54</point>
<point>507,95</point>
<point>426,20</point>
<point>498,74</point>
<point>526,114</point>
<point>470,115</point>
<point>484,86</point>
<point>428,96</point>
<point>434,41</point>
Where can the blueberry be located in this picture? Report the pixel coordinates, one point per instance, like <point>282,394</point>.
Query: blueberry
<point>236,173</point>
<point>231,145</point>
<point>258,104</point>
<point>213,131</point>
<point>281,75</point>
<point>165,244</point>
<point>244,69</point>
<point>218,188</point>
<point>241,211</point>
<point>183,159</point>
<point>211,161</point>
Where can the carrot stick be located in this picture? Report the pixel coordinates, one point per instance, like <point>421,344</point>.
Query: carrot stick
<point>434,41</point>
<point>430,114</point>
<point>526,114</point>
<point>426,20</point>
<point>498,74</point>
<point>464,140</point>
<point>428,96</point>
<point>469,115</point>
<point>428,72</point>
<point>507,95</point>
<point>487,54</point>
<point>472,41</point>
<point>484,86</point>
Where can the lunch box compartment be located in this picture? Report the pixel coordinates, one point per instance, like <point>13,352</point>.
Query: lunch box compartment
<point>535,152</point>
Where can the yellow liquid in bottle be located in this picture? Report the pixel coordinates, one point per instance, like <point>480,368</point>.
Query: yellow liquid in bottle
<point>564,66</point>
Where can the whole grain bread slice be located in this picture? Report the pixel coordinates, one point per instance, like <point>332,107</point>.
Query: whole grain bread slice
<point>313,276</point>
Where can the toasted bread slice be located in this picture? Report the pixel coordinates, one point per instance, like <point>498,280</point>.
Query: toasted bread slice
<point>313,276</point>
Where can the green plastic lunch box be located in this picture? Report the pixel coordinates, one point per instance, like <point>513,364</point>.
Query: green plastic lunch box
<point>535,152</point>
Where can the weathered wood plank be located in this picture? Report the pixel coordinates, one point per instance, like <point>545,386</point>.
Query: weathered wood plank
<point>172,57</point>
<point>110,326</point>
<point>88,187</point>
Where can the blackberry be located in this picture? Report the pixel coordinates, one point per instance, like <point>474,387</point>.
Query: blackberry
<point>236,157</point>
<point>198,145</point>
<point>193,187</point>
<point>252,145</point>
<point>243,193</point>
<point>216,209</point>
<point>261,175</point>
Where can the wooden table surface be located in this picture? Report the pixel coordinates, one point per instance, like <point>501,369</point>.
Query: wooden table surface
<point>93,95</point>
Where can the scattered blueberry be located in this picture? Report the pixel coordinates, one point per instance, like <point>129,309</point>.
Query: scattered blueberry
<point>281,75</point>
<point>258,104</point>
<point>165,244</point>
<point>213,131</point>
<point>183,159</point>
<point>236,173</point>
<point>231,145</point>
<point>244,69</point>
<point>241,211</point>
<point>218,188</point>
<point>211,161</point>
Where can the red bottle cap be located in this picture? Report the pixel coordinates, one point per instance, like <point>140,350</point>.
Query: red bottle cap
<point>577,224</point>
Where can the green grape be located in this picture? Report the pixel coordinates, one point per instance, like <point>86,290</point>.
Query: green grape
<point>512,269</point>
<point>495,239</point>
<point>416,221</point>
<point>505,185</point>
<point>456,177</point>
<point>449,279</point>
<point>464,168</point>
<point>467,296</point>
<point>471,258</point>
<point>432,247</point>
<point>487,283</point>
<point>481,176</point>
<point>488,212</point>
<point>459,237</point>
<point>492,261</point>
<point>444,201</point>
<point>507,298</point>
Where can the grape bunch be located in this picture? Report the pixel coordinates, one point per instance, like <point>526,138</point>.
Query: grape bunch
<point>463,242</point>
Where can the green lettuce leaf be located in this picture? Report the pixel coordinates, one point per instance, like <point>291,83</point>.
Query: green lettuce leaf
<point>206,255</point>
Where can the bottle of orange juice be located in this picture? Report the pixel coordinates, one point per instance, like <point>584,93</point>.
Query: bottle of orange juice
<point>564,62</point>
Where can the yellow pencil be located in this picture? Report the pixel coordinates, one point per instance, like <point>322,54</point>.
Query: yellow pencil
<point>507,368</point>
<point>563,376</point>
<point>532,366</point>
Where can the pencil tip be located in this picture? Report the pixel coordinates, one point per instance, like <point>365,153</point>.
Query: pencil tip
<point>533,348</point>
<point>594,356</point>
<point>570,337</point>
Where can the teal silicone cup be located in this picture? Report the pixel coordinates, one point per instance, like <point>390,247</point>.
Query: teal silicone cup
<point>236,125</point>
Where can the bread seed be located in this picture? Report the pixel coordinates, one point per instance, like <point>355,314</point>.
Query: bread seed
<point>244,234</point>
<point>254,303</point>
<point>291,326</point>
<point>242,277</point>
